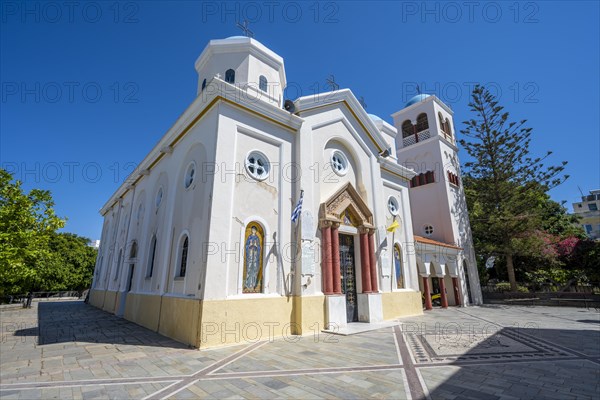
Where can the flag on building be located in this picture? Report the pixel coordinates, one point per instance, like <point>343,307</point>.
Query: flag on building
<point>395,225</point>
<point>298,210</point>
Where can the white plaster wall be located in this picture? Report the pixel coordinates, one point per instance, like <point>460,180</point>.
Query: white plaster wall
<point>239,199</point>
<point>403,236</point>
<point>189,217</point>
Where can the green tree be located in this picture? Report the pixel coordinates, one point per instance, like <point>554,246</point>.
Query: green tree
<point>505,186</point>
<point>72,264</point>
<point>27,222</point>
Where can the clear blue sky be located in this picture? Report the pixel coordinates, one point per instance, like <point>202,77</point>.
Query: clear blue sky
<point>87,90</point>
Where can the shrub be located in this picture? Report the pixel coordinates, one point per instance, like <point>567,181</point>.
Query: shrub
<point>505,287</point>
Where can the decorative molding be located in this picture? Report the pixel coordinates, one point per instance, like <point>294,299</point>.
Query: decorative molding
<point>346,197</point>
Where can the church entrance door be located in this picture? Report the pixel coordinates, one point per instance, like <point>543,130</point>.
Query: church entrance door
<point>348,276</point>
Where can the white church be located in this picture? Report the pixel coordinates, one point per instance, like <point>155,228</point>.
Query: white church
<point>199,243</point>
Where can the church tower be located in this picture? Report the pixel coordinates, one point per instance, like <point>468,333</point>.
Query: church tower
<point>245,63</point>
<point>426,143</point>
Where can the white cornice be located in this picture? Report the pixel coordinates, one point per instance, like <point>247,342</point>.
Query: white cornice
<point>307,103</point>
<point>396,168</point>
<point>426,100</point>
<point>220,91</point>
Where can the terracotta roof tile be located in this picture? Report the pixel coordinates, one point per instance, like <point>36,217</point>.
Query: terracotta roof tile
<point>423,240</point>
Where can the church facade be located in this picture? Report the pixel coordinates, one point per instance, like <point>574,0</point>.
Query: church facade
<point>199,242</point>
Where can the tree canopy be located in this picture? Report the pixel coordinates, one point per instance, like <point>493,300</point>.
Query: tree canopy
<point>33,256</point>
<point>506,187</point>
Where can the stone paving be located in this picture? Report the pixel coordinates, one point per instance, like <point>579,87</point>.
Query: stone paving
<point>68,349</point>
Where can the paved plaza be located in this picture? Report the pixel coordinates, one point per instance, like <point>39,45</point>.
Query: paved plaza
<point>68,349</point>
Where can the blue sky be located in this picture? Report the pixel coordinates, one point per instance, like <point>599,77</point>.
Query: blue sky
<point>88,89</point>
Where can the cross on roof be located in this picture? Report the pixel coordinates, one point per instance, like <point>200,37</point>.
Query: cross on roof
<point>245,29</point>
<point>361,100</point>
<point>418,90</point>
<point>332,84</point>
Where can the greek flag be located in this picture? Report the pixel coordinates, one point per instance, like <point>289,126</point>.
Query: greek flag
<point>298,210</point>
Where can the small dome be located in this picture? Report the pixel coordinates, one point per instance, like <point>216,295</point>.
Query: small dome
<point>374,117</point>
<point>236,37</point>
<point>416,99</point>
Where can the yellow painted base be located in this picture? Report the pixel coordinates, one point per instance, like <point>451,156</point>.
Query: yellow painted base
<point>97,298</point>
<point>401,304</point>
<point>212,323</point>
<point>249,320</point>
<point>179,319</point>
<point>143,309</point>
<point>110,301</point>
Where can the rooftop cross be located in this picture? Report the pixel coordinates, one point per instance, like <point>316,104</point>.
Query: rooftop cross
<point>245,29</point>
<point>361,100</point>
<point>332,84</point>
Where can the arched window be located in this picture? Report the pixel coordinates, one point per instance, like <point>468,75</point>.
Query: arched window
<point>230,76</point>
<point>262,83</point>
<point>119,262</point>
<point>133,251</point>
<point>253,258</point>
<point>184,254</point>
<point>132,257</point>
<point>398,266</point>
<point>204,84</point>
<point>152,257</point>
<point>422,122</point>
<point>407,129</point>
<point>448,128</point>
<point>442,123</point>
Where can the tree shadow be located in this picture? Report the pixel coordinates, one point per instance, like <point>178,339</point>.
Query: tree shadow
<point>521,362</point>
<point>75,321</point>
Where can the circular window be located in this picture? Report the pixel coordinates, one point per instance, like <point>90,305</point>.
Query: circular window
<point>428,230</point>
<point>393,205</point>
<point>190,172</point>
<point>339,162</point>
<point>159,197</point>
<point>257,165</point>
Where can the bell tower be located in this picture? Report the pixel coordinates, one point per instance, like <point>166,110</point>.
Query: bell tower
<point>245,63</point>
<point>426,143</point>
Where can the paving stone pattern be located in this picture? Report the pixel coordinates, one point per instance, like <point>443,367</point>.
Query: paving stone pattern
<point>68,349</point>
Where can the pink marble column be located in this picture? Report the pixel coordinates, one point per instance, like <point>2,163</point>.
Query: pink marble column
<point>443,293</point>
<point>428,305</point>
<point>456,291</point>
<point>335,253</point>
<point>326,258</point>
<point>373,261</point>
<point>365,262</point>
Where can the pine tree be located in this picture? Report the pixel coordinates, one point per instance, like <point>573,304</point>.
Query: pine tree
<point>505,185</point>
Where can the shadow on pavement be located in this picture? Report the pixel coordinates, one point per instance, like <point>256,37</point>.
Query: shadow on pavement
<point>526,362</point>
<point>75,321</point>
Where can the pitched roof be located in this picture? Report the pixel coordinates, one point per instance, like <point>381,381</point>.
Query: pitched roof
<point>423,240</point>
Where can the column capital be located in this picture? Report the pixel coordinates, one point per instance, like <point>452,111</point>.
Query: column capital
<point>325,224</point>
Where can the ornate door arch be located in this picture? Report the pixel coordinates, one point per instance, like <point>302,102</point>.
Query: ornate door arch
<point>346,207</point>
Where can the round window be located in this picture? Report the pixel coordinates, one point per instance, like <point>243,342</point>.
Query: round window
<point>339,162</point>
<point>428,230</point>
<point>393,206</point>
<point>159,197</point>
<point>190,172</point>
<point>257,165</point>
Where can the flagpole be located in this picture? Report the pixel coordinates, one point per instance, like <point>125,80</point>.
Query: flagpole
<point>393,255</point>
